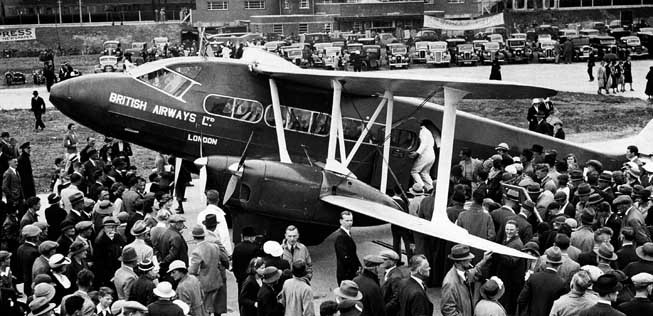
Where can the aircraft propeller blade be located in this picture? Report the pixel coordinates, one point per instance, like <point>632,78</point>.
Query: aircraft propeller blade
<point>177,169</point>
<point>237,172</point>
<point>201,186</point>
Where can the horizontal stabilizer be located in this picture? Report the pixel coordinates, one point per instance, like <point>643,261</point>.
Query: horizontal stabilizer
<point>445,230</point>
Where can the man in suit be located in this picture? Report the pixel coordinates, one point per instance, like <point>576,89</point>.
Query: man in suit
<point>77,212</point>
<point>510,269</point>
<point>24,168</point>
<point>26,255</point>
<point>121,149</point>
<point>627,252</point>
<point>368,283</point>
<point>189,289</point>
<point>500,216</point>
<point>608,287</point>
<point>544,287</point>
<point>543,127</point>
<point>91,167</point>
<point>632,218</point>
<point>391,282</point>
<point>125,275</point>
<point>524,228</point>
<point>172,245</point>
<point>244,251</point>
<point>110,242</point>
<point>207,262</point>
<point>11,185</point>
<point>6,152</point>
<point>347,262</point>
<point>41,264</point>
<point>54,215</point>
<point>413,300</point>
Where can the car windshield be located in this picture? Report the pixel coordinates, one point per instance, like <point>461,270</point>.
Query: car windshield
<point>372,49</point>
<point>421,45</point>
<point>294,52</point>
<point>138,45</point>
<point>465,47</point>
<point>548,45</point>
<point>167,81</point>
<point>108,60</point>
<point>479,44</point>
<point>398,50</point>
<point>492,46</point>
<point>517,43</point>
<point>608,41</point>
<point>633,41</point>
<point>438,46</point>
<point>332,50</point>
<point>111,45</point>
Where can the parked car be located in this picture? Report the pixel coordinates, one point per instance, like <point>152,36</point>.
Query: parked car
<point>319,47</point>
<point>332,56</point>
<point>632,46</point>
<point>397,55</point>
<point>589,32</point>
<point>387,38</point>
<point>568,33</point>
<point>452,46</point>
<point>494,38</point>
<point>355,47</point>
<point>372,56</point>
<point>618,33</point>
<point>438,54</point>
<point>112,48</point>
<point>646,38</point>
<point>478,46</point>
<point>427,35</point>
<point>518,52</point>
<point>14,77</point>
<point>108,64</point>
<point>582,48</point>
<point>38,76</point>
<point>274,46</point>
<point>313,38</point>
<point>547,51</point>
<point>367,40</point>
<point>465,55</point>
<point>421,52</point>
<point>518,36</point>
<point>492,50</point>
<point>604,45</point>
<point>295,55</point>
<point>544,37</point>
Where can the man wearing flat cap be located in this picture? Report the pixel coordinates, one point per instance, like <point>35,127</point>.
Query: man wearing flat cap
<point>26,255</point>
<point>390,284</point>
<point>41,264</point>
<point>632,217</point>
<point>640,304</point>
<point>368,284</point>
<point>172,245</point>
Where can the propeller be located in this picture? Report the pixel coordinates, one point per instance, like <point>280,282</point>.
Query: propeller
<point>236,173</point>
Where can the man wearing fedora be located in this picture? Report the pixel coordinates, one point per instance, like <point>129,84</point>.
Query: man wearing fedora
<point>605,257</point>
<point>544,287</point>
<point>266,298</point>
<point>632,217</point>
<point>67,236</point>
<point>640,304</point>
<point>458,284</point>
<point>125,276</point>
<point>72,191</point>
<point>578,299</point>
<point>368,283</point>
<point>208,262</point>
<point>54,215</point>
<point>164,306</point>
<point>583,237</point>
<point>41,307</point>
<point>347,262</point>
<point>347,291</point>
<point>220,229</point>
<point>412,296</point>
<point>608,287</point>
<point>140,232</point>
<point>189,288</point>
<point>141,290</point>
<point>645,263</point>
<point>244,251</point>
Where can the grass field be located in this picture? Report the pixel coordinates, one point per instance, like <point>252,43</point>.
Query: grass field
<point>586,118</point>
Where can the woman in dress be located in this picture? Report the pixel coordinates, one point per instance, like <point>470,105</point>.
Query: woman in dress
<point>649,83</point>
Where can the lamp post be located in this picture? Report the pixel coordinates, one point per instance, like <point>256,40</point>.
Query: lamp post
<point>80,12</point>
<point>60,18</point>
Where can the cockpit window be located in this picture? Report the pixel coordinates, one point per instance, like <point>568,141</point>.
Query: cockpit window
<point>187,70</point>
<point>235,108</point>
<point>167,81</point>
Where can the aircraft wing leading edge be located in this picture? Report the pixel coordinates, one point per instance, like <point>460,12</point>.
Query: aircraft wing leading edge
<point>402,84</point>
<point>447,231</point>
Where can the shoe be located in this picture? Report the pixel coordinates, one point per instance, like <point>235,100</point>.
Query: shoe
<point>631,89</point>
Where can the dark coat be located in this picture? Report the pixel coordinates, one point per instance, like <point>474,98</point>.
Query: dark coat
<point>368,284</point>
<point>391,288</point>
<point>267,302</point>
<point>500,216</point>
<point>38,105</point>
<point>539,292</point>
<point>587,258</point>
<point>511,271</point>
<point>54,215</point>
<point>172,246</point>
<point>141,291</point>
<point>26,178</point>
<point>26,255</point>
<point>347,262</point>
<point>525,228</point>
<point>60,291</point>
<point>495,71</point>
<point>413,300</point>
<point>241,256</point>
<point>649,83</point>
<point>247,296</point>
<point>164,308</point>
<point>544,128</point>
<point>636,307</point>
<point>531,117</point>
<point>64,244</point>
<point>626,255</point>
<point>12,188</point>
<point>106,261</point>
<point>600,309</point>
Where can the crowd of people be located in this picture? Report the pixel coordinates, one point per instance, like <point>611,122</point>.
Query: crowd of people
<point>612,75</point>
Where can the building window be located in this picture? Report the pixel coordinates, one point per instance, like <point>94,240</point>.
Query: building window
<point>303,4</point>
<point>277,28</point>
<point>456,1</point>
<point>357,26</point>
<point>303,28</point>
<point>255,4</point>
<point>217,5</point>
<point>327,27</point>
<point>286,4</point>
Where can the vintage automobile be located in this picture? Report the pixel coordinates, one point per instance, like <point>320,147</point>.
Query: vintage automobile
<point>427,35</point>
<point>589,32</point>
<point>338,42</point>
<point>274,46</point>
<point>355,48</point>
<point>108,64</point>
<point>492,50</point>
<point>568,33</point>
<point>397,55</point>
<point>352,37</point>
<point>14,77</point>
<point>618,33</point>
<point>494,38</point>
<point>367,40</point>
<point>551,30</point>
<point>372,56</point>
<point>438,54</point>
<point>314,38</point>
<point>332,57</point>
<point>160,42</point>
<point>136,48</point>
<point>421,51</point>
<point>452,46</point>
<point>478,46</point>
<point>295,55</point>
<point>518,52</point>
<point>387,38</point>
<point>465,55</point>
<point>319,47</point>
<point>632,46</point>
<point>646,38</point>
<point>604,45</point>
<point>38,76</point>
<point>544,37</point>
<point>111,48</point>
<point>547,51</point>
<point>518,36</point>
<point>582,48</point>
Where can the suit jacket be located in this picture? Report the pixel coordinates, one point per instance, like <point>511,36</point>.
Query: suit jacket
<point>347,262</point>
<point>243,253</point>
<point>164,308</point>
<point>539,293</point>
<point>413,300</point>
<point>247,296</point>
<point>457,297</point>
<point>54,215</point>
<point>172,246</point>
<point>106,261</point>
<point>205,261</point>
<point>141,291</point>
<point>12,187</point>
<point>525,228</point>
<point>40,266</point>
<point>601,310</point>
<point>511,271</point>
<point>391,288</point>
<point>123,280</point>
<point>637,306</point>
<point>500,216</point>
<point>635,220</point>
<point>190,291</point>
<point>267,302</point>
<point>26,255</point>
<point>368,284</point>
<point>626,255</point>
<point>544,128</point>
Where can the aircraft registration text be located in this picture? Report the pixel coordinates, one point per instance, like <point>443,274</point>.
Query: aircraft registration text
<point>127,101</point>
<point>202,139</point>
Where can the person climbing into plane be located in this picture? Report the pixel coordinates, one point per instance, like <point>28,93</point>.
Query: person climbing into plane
<point>429,138</point>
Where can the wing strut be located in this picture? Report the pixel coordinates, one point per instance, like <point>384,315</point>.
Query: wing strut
<point>451,97</point>
<point>370,124</point>
<point>386,143</point>
<point>278,123</point>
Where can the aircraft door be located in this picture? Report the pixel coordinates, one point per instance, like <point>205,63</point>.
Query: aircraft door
<point>403,140</point>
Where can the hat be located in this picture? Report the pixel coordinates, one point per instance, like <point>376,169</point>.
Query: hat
<point>134,306</point>
<point>47,245</point>
<point>528,205</point>
<point>493,289</point>
<point>460,252</point>
<point>642,278</point>
<point>512,194</point>
<point>622,199</point>
<point>41,225</point>
<point>624,189</point>
<point>595,163</point>
<point>210,220</point>
<point>594,271</point>
<point>122,217</point>
<point>553,255</point>
<point>77,197</point>
<point>583,189</point>
<point>40,306</point>
<point>606,251</point>
<point>185,309</point>
<point>198,231</point>
<point>575,175</point>
<point>571,222</point>
<point>606,284</point>
<point>372,261</point>
<point>109,221</point>
<point>4,255</point>
<point>532,247</point>
<point>537,101</point>
<point>139,228</point>
<point>560,219</point>
<point>88,203</point>
<point>534,189</point>
<point>595,198</point>
<point>645,251</point>
<point>248,231</point>
<point>116,307</point>
<point>177,264</point>
<point>105,208</point>
<point>66,225</point>
<point>587,217</point>
<point>176,218</point>
<point>24,145</point>
<point>605,176</point>
<point>58,260</point>
<point>634,172</point>
<point>45,290</point>
<point>537,148</point>
<point>164,290</point>
<point>416,189</point>
<point>53,198</point>
<point>272,248</point>
<point>146,265</point>
<point>31,231</point>
<point>389,254</point>
<point>271,274</point>
<point>502,146</point>
<point>83,225</point>
<point>560,195</point>
<point>4,134</point>
<point>76,247</point>
<point>348,290</point>
<point>350,308</point>
<point>129,255</point>
<point>510,172</point>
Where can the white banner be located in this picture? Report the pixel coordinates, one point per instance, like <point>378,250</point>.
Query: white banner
<point>463,25</point>
<point>18,34</point>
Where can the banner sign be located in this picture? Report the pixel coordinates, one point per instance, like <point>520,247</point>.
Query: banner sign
<point>17,34</point>
<point>463,25</point>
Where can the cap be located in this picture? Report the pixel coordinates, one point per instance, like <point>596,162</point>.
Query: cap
<point>83,225</point>
<point>198,231</point>
<point>176,218</point>
<point>372,260</point>
<point>47,246</point>
<point>389,254</point>
<point>77,197</point>
<point>109,221</point>
<point>642,278</point>
<point>31,231</point>
<point>25,145</point>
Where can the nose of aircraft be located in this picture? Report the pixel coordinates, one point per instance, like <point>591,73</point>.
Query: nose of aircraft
<point>60,95</point>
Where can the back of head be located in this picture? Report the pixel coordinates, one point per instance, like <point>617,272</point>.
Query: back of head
<point>212,196</point>
<point>328,308</point>
<point>85,278</point>
<point>562,241</point>
<point>299,268</point>
<point>581,281</point>
<point>74,304</point>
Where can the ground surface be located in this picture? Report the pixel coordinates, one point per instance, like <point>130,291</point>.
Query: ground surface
<point>587,117</point>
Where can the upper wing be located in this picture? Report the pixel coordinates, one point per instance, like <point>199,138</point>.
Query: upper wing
<point>401,83</point>
<point>444,230</point>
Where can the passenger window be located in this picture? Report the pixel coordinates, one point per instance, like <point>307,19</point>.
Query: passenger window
<point>269,116</point>
<point>321,124</point>
<point>299,120</point>
<point>352,128</point>
<point>399,138</point>
<point>167,81</point>
<point>236,108</point>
